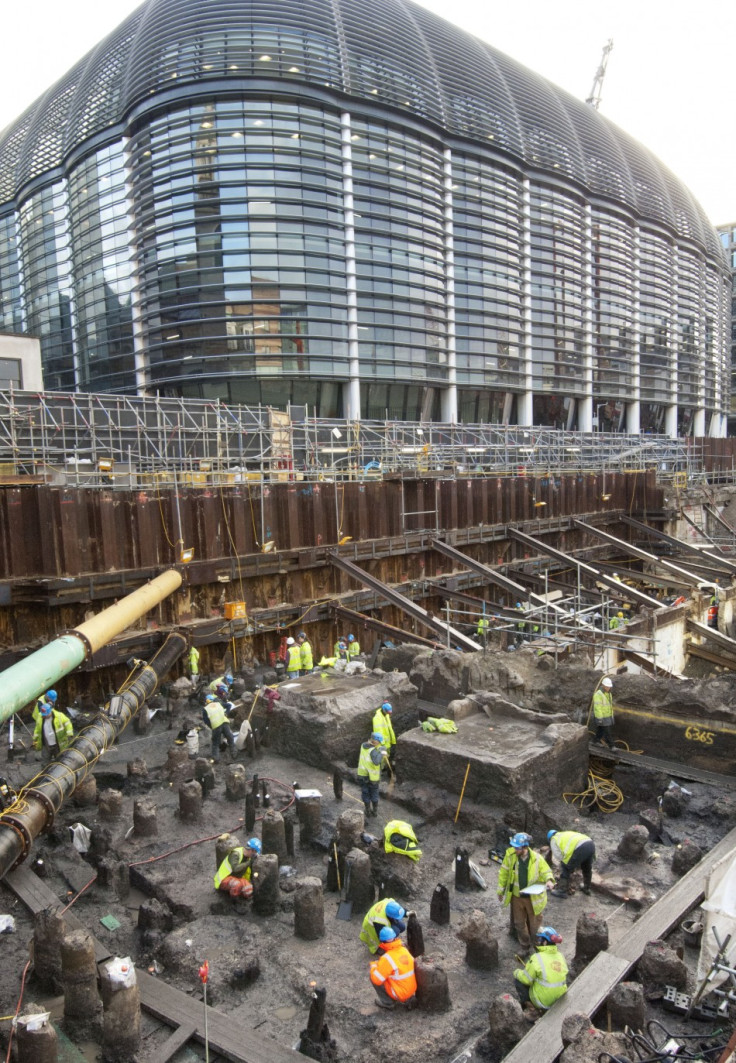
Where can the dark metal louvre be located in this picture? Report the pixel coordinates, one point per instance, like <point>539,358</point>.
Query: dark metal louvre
<point>389,52</point>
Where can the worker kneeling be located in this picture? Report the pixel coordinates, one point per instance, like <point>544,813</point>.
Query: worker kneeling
<point>386,913</point>
<point>393,974</point>
<point>544,978</point>
<point>236,871</point>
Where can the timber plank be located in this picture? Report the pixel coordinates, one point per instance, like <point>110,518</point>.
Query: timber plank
<point>231,1039</point>
<point>171,1046</point>
<point>670,767</point>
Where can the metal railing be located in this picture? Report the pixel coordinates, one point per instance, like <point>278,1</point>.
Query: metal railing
<point>104,440</point>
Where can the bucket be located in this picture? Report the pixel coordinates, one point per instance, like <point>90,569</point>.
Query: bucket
<point>692,931</point>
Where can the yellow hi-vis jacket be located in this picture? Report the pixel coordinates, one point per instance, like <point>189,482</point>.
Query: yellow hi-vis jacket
<point>410,846</point>
<point>353,648</point>
<point>602,704</point>
<point>564,843</point>
<point>546,976</point>
<point>62,729</point>
<point>194,661</point>
<point>305,655</point>
<point>382,724</point>
<point>376,914</point>
<point>395,970</point>
<point>508,878</point>
<point>293,659</point>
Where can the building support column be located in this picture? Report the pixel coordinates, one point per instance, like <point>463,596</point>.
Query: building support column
<point>449,393</point>
<point>140,354</point>
<point>585,403</point>
<point>633,407</point>
<point>525,403</point>
<point>670,422</point>
<point>351,390</point>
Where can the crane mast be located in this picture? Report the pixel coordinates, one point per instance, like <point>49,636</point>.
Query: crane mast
<point>595,93</point>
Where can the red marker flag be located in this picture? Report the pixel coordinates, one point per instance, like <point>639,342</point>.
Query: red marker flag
<point>204,971</point>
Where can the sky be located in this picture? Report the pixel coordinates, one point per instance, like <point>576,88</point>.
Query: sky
<point>669,82</point>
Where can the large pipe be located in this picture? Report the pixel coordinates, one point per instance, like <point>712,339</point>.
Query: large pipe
<point>26,680</point>
<point>40,802</point>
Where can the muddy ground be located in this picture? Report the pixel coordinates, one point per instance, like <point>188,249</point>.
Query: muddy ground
<point>230,936</point>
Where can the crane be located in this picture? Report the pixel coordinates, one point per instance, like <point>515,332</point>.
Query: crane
<point>595,93</point>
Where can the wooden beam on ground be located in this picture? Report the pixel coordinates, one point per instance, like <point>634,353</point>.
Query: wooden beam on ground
<point>590,989</point>
<point>172,1045</point>
<point>226,1036</point>
<point>669,767</point>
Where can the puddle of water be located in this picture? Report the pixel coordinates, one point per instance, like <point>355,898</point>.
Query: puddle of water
<point>286,1011</point>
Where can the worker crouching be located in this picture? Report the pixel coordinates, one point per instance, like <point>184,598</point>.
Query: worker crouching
<point>235,873</point>
<point>543,979</point>
<point>393,974</point>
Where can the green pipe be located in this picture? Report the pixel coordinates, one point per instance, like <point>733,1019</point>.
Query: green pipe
<point>26,680</point>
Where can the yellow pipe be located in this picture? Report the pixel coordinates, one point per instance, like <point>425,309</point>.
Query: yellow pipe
<point>110,622</point>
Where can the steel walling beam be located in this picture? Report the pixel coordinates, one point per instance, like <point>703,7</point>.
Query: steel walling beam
<point>683,575</point>
<point>594,573</point>
<point>405,604</point>
<point>495,577</point>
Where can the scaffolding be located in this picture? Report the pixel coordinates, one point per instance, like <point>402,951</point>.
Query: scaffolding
<point>104,440</point>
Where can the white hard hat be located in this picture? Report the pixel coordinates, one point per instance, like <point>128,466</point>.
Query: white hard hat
<point>290,641</point>
<point>607,683</point>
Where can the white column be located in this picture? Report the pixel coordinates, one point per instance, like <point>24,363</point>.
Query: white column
<point>351,392</point>
<point>449,393</point>
<point>525,406</point>
<point>633,407</point>
<point>585,404</point>
<point>670,424</point>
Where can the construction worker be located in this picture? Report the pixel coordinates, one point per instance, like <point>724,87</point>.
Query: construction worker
<point>382,725</point>
<point>543,980</point>
<point>226,679</point>
<point>616,621</point>
<point>387,912</point>
<point>520,624</point>
<point>393,974</point>
<point>48,699</point>
<point>293,659</point>
<point>236,871</point>
<point>53,731</point>
<point>353,646</point>
<point>372,754</point>
<point>341,650</point>
<point>194,665</point>
<point>521,869</point>
<point>214,715</point>
<point>572,851</point>
<point>603,712</point>
<point>306,661</point>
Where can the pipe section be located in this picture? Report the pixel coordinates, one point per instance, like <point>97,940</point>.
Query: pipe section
<point>34,812</point>
<point>26,680</point>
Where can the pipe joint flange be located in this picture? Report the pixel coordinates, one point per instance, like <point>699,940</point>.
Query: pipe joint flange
<point>26,838</point>
<point>49,807</point>
<point>88,651</point>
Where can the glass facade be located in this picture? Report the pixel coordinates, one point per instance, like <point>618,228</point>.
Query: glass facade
<point>276,204</point>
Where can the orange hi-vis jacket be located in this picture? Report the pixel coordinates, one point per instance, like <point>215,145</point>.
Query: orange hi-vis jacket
<point>395,970</point>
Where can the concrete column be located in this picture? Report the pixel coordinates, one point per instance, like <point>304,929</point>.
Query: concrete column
<point>449,393</point>
<point>351,390</point>
<point>524,401</point>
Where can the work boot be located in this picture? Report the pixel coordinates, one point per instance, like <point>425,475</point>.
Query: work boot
<point>586,889</point>
<point>375,808</point>
<point>367,809</point>
<point>561,890</point>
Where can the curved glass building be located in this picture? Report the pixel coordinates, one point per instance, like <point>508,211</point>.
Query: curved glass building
<point>362,209</point>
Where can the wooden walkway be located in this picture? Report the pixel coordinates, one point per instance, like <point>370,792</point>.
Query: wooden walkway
<point>226,1035</point>
<point>543,1043</point>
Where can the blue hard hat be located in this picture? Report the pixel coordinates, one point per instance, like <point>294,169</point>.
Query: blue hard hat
<point>387,706</point>
<point>377,737</point>
<point>221,689</point>
<point>211,697</point>
<point>519,841</point>
<point>255,845</point>
<point>351,638</point>
<point>394,910</point>
<point>228,677</point>
<point>46,710</point>
<point>302,635</point>
<point>51,695</point>
<point>387,934</point>
<point>550,833</point>
<point>548,933</point>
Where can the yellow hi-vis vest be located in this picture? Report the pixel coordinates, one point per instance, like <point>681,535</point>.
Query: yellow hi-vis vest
<point>215,713</point>
<point>602,704</point>
<point>294,659</point>
<point>353,648</point>
<point>194,661</point>
<point>376,914</point>
<point>366,765</point>
<point>305,653</point>
<point>382,724</point>
<point>411,846</point>
<point>234,857</point>
<point>537,871</point>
